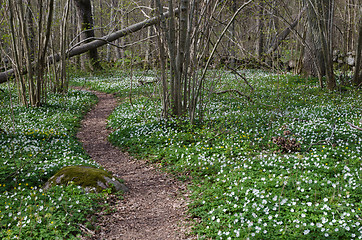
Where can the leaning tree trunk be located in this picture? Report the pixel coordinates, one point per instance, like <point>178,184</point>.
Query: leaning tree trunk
<point>280,37</point>
<point>80,49</point>
<point>85,21</point>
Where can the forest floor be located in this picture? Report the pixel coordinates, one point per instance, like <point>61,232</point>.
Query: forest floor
<point>155,206</point>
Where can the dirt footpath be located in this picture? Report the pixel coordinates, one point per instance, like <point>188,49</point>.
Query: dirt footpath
<point>155,207</point>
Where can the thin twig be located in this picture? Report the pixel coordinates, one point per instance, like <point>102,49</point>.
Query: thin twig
<point>86,229</point>
<point>354,126</point>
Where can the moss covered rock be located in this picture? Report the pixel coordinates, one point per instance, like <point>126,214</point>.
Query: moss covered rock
<point>89,178</point>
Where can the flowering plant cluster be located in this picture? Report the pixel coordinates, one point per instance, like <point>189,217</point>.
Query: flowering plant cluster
<point>34,144</point>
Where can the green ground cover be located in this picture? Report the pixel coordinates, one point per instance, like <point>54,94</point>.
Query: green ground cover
<point>34,144</point>
<point>243,185</point>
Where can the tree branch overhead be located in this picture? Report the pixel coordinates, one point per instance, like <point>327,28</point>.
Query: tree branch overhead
<point>5,76</point>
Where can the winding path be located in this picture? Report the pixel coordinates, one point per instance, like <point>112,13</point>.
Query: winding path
<point>154,208</point>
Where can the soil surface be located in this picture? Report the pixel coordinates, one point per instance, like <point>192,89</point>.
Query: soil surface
<point>156,204</point>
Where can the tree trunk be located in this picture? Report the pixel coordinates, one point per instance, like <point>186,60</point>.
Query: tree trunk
<point>27,48</point>
<point>18,64</point>
<point>120,52</point>
<point>261,35</point>
<point>171,39</point>
<point>62,85</point>
<point>30,29</point>
<point>181,53</point>
<point>318,60</point>
<point>357,78</point>
<point>149,46</point>
<point>85,25</point>
<point>162,54</point>
<point>313,63</point>
<point>111,25</point>
<point>233,34</point>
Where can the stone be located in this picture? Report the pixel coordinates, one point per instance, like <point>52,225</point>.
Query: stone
<point>89,178</point>
<point>350,60</point>
<point>335,58</point>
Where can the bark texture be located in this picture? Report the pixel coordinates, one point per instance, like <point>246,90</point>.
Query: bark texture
<point>357,78</point>
<point>85,25</point>
<point>318,60</point>
<point>313,55</point>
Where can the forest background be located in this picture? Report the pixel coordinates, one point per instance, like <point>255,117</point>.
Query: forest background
<point>257,103</point>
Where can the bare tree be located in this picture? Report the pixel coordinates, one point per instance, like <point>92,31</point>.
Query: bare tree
<point>186,87</point>
<point>61,84</point>
<point>188,38</point>
<point>32,47</point>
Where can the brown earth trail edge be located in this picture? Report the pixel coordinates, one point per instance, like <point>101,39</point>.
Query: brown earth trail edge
<point>155,206</point>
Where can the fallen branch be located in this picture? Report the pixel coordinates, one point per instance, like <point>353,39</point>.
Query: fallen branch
<point>354,126</point>
<point>73,51</point>
<point>141,83</point>
<point>299,120</point>
<point>110,43</point>
<point>244,78</point>
<point>327,141</point>
<point>235,91</point>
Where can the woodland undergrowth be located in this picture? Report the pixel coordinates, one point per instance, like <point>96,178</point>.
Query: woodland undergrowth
<point>284,165</point>
<point>34,144</point>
